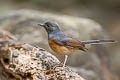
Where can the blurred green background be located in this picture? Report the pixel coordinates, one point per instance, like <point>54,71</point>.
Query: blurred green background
<point>105,12</point>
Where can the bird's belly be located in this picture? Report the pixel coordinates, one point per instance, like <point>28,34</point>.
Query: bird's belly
<point>61,50</point>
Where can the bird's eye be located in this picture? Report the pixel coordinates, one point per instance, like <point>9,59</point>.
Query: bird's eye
<point>48,26</point>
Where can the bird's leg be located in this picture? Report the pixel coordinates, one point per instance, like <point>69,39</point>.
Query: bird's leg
<point>66,56</point>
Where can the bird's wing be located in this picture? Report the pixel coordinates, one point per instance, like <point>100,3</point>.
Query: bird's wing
<point>69,42</point>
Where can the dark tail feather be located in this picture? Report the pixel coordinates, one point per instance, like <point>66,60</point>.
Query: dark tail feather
<point>97,41</point>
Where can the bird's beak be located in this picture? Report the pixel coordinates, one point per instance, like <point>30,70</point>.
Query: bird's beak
<point>42,25</point>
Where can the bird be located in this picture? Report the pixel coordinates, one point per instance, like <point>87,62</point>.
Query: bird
<point>63,44</point>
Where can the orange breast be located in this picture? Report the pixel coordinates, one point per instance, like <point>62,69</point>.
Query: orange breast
<point>62,50</point>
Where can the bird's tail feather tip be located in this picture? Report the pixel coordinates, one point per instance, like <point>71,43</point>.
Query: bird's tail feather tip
<point>115,41</point>
<point>112,41</point>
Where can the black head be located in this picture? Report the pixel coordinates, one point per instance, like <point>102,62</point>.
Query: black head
<point>50,27</point>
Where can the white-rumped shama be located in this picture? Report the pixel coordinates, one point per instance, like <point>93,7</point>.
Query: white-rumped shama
<point>64,45</point>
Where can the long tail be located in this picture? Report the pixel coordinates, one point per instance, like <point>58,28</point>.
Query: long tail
<point>97,41</point>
